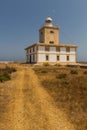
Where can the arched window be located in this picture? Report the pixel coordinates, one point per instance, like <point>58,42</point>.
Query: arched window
<point>51,31</point>
<point>51,42</point>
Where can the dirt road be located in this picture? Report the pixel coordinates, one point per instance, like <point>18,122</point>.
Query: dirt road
<point>29,106</point>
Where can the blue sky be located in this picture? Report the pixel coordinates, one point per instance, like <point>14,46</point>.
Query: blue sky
<point>21,19</point>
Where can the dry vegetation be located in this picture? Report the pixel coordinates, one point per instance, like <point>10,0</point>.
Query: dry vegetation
<point>68,87</point>
<point>5,73</point>
<point>51,98</point>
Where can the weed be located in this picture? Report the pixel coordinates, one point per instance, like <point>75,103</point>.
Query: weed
<point>65,83</point>
<point>46,64</point>
<point>74,72</point>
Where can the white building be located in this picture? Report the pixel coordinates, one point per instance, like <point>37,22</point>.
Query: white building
<point>49,49</point>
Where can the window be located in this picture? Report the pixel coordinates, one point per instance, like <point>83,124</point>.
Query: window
<point>51,42</point>
<point>58,49</point>
<point>58,58</point>
<point>67,58</point>
<point>67,49</point>
<point>46,48</point>
<point>51,31</point>
<point>47,57</point>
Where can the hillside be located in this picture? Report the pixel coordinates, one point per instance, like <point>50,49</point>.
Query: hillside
<point>38,99</point>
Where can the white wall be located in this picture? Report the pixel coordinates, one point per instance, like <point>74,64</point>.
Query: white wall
<point>41,48</point>
<point>41,57</point>
<point>63,50</point>
<point>28,51</point>
<point>52,49</point>
<point>28,59</point>
<point>72,50</point>
<point>35,57</point>
<point>72,58</point>
<point>62,58</point>
<point>34,49</point>
<point>52,58</point>
<point>53,54</point>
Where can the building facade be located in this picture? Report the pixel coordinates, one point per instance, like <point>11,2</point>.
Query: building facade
<point>49,49</point>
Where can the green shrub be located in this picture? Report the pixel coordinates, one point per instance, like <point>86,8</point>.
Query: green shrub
<point>61,76</point>
<point>4,77</point>
<point>74,72</point>
<point>46,64</point>
<point>85,72</point>
<point>5,74</point>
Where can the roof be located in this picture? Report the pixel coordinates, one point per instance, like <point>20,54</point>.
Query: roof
<point>49,19</point>
<point>59,45</point>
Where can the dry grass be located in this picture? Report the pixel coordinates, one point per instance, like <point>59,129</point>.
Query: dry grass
<point>69,92</point>
<point>46,102</point>
<point>26,105</point>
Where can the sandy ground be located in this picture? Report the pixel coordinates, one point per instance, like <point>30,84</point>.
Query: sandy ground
<point>28,106</point>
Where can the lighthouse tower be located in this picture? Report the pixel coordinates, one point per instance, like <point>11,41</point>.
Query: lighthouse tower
<point>49,33</point>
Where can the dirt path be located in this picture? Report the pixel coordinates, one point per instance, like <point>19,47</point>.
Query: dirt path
<point>34,109</point>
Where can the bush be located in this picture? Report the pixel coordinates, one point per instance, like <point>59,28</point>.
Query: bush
<point>74,72</point>
<point>85,72</point>
<point>61,76</point>
<point>10,69</point>
<point>5,73</point>
<point>4,77</point>
<point>46,64</point>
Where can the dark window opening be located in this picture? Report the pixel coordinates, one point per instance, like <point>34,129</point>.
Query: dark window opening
<point>67,58</point>
<point>51,42</point>
<point>47,58</point>
<point>57,58</point>
<point>30,58</point>
<point>51,31</point>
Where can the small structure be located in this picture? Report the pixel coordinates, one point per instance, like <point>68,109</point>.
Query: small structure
<point>49,49</point>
